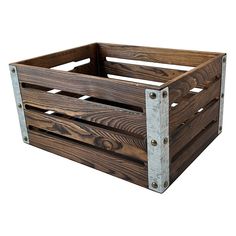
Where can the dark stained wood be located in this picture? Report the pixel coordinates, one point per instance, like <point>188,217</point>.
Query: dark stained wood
<point>99,137</point>
<point>189,106</point>
<point>192,128</point>
<point>161,55</point>
<point>92,157</point>
<point>140,72</point>
<point>94,86</point>
<point>198,77</point>
<point>192,151</point>
<point>121,119</point>
<point>63,57</point>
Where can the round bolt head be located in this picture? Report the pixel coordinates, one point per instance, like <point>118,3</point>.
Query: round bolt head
<point>166,184</point>
<point>164,94</point>
<point>220,128</point>
<point>224,59</point>
<point>154,185</point>
<point>19,105</point>
<point>165,141</point>
<point>152,95</point>
<point>13,70</point>
<point>222,95</point>
<point>25,139</point>
<point>153,142</point>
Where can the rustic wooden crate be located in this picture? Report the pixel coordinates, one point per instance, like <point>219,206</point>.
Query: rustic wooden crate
<point>142,131</point>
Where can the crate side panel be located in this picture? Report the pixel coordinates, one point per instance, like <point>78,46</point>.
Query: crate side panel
<point>161,55</point>
<point>102,138</point>
<point>124,169</point>
<point>103,88</point>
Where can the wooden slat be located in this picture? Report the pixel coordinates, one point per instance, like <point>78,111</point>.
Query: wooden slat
<point>161,55</point>
<point>140,72</point>
<point>99,137</point>
<point>188,131</point>
<point>122,119</point>
<point>103,88</point>
<point>92,157</point>
<point>201,76</point>
<point>83,69</point>
<point>193,150</point>
<point>59,58</point>
<point>189,106</point>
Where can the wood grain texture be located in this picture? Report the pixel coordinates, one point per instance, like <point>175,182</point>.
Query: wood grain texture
<point>98,159</point>
<point>94,86</point>
<point>63,57</point>
<point>121,119</point>
<point>189,106</point>
<point>161,55</point>
<point>188,131</point>
<point>193,150</point>
<point>99,137</point>
<point>203,75</point>
<point>140,72</point>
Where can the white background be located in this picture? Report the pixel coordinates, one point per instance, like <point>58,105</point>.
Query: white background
<point>43,194</point>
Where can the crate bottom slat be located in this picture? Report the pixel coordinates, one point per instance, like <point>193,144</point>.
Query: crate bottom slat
<point>109,163</point>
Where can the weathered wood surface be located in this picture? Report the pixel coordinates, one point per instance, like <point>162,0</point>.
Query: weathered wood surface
<point>201,76</point>
<point>121,119</point>
<point>92,157</point>
<point>193,150</point>
<point>99,137</point>
<point>63,57</point>
<point>140,72</point>
<point>94,86</point>
<point>188,131</point>
<point>189,106</point>
<point>161,55</point>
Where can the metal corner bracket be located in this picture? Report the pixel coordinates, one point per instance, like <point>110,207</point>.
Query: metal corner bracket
<point>157,119</point>
<point>222,91</point>
<point>19,103</point>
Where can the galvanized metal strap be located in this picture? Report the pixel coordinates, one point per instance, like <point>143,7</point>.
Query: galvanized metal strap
<point>222,92</point>
<point>19,103</point>
<point>157,118</point>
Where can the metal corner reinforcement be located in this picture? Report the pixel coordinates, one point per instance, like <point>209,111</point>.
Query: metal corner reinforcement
<point>19,103</point>
<point>157,118</point>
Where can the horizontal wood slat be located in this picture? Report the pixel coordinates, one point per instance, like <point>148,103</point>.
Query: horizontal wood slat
<point>201,76</point>
<point>161,55</point>
<point>122,119</point>
<point>189,106</point>
<point>193,149</point>
<point>188,131</point>
<point>59,58</point>
<point>104,88</point>
<point>140,72</point>
<point>98,159</point>
<point>99,137</point>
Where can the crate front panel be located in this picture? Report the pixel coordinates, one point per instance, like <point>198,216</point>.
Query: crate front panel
<point>102,122</point>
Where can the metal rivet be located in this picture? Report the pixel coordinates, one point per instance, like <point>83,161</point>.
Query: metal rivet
<point>25,139</point>
<point>152,95</point>
<point>13,70</point>
<point>153,142</point>
<point>165,141</point>
<point>154,185</point>
<point>164,94</point>
<point>220,128</point>
<point>19,106</point>
<point>224,59</point>
<point>222,95</point>
<point>166,184</point>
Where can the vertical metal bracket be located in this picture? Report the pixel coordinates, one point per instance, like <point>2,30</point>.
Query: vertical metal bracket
<point>157,118</point>
<point>19,103</point>
<point>222,91</point>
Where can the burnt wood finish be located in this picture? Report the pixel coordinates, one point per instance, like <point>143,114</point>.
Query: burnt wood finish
<point>107,129</point>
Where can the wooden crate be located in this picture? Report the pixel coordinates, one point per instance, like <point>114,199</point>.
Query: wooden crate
<point>139,113</point>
